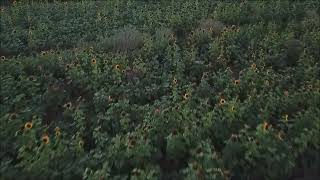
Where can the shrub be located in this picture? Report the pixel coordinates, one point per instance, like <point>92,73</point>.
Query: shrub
<point>211,25</point>
<point>126,39</point>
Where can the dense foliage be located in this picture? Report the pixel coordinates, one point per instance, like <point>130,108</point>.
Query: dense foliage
<point>185,89</point>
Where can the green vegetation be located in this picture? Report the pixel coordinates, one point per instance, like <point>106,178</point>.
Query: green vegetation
<point>185,89</point>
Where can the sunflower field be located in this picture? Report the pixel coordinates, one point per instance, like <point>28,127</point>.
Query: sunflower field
<point>168,89</point>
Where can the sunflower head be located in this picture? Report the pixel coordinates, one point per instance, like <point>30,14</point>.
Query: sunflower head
<point>131,143</point>
<point>253,66</point>
<point>186,96</point>
<point>58,133</point>
<point>222,101</point>
<point>93,61</point>
<point>233,108</point>
<point>117,67</point>
<point>3,58</point>
<point>205,75</point>
<point>237,82</point>
<point>265,125</point>
<point>13,116</point>
<point>32,78</point>
<point>68,66</point>
<point>175,81</point>
<point>68,105</point>
<point>45,139</point>
<point>43,53</point>
<point>267,83</point>
<point>28,125</point>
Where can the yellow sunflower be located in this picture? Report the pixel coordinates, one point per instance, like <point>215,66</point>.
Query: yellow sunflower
<point>57,131</point>
<point>222,101</point>
<point>253,66</point>
<point>205,75</point>
<point>45,139</point>
<point>117,67</point>
<point>265,125</point>
<point>68,66</point>
<point>175,81</point>
<point>186,96</point>
<point>237,82</point>
<point>68,105</point>
<point>93,61</point>
<point>28,125</point>
<point>267,83</point>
